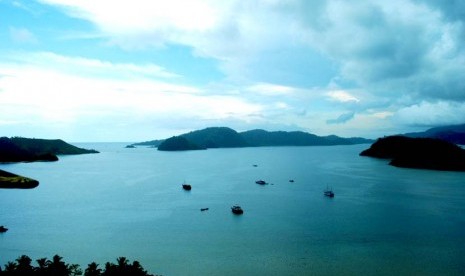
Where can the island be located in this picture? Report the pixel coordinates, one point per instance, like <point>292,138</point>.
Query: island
<point>418,153</point>
<point>19,149</point>
<point>178,143</point>
<point>224,137</point>
<point>13,181</point>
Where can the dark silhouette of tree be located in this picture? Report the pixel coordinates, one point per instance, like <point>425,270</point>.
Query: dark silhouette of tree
<point>92,270</point>
<point>41,270</point>
<point>24,265</point>
<point>56,267</point>
<point>10,267</point>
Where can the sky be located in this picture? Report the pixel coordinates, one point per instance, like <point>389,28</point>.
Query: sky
<point>94,71</point>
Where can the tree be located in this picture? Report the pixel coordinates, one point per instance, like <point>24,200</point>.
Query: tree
<point>56,267</point>
<point>92,270</point>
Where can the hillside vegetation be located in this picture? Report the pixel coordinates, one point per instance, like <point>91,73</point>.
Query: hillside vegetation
<point>12,181</point>
<point>20,149</point>
<point>223,137</point>
<point>420,153</point>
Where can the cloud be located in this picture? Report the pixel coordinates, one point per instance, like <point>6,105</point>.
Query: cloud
<point>22,35</point>
<point>285,62</point>
<point>239,34</point>
<point>269,89</point>
<point>431,114</point>
<point>89,67</point>
<point>342,96</point>
<point>42,90</point>
<point>389,47</point>
<point>392,47</point>
<point>343,118</point>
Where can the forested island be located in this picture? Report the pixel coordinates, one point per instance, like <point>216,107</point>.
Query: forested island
<point>19,149</point>
<point>224,137</point>
<point>418,153</point>
<point>178,143</point>
<point>13,181</point>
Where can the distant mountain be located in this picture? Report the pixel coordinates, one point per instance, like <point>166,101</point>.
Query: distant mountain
<point>178,143</point>
<point>260,138</point>
<point>223,137</point>
<point>453,133</point>
<point>216,137</point>
<point>151,143</point>
<point>20,149</point>
<point>420,153</point>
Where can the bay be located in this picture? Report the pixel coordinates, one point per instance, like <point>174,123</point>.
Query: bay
<point>129,202</point>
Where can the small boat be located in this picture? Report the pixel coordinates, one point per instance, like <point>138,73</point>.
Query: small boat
<point>261,182</point>
<point>186,187</point>
<point>329,192</point>
<point>255,165</point>
<point>3,229</point>
<point>291,180</point>
<point>237,210</point>
<point>203,209</point>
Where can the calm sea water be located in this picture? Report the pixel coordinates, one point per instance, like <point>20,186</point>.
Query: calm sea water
<point>129,202</point>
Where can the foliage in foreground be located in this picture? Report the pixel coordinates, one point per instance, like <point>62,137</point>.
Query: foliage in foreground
<point>56,267</point>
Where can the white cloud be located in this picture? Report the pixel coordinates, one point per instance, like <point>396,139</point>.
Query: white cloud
<point>89,67</point>
<point>233,32</point>
<point>22,35</point>
<point>269,89</point>
<point>386,56</point>
<point>382,46</point>
<point>431,114</point>
<point>53,96</point>
<point>342,96</point>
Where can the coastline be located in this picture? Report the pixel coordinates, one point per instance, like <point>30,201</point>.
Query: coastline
<point>13,181</point>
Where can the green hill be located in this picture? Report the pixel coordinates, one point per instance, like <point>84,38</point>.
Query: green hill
<point>223,137</point>
<point>260,138</point>
<point>20,149</point>
<point>216,137</point>
<point>178,143</point>
<point>420,153</point>
<point>12,181</point>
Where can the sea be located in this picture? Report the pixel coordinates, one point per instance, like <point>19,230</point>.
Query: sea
<point>127,202</point>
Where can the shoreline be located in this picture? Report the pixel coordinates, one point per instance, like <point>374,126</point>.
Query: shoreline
<point>13,181</point>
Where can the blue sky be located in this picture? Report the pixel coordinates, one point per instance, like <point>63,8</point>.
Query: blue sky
<point>140,70</point>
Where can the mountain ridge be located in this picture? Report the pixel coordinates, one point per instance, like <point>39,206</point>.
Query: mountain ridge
<point>19,149</point>
<point>451,133</point>
<point>225,137</point>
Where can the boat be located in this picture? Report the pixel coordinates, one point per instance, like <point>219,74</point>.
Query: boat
<point>261,182</point>
<point>203,209</point>
<point>237,210</point>
<point>291,180</point>
<point>329,192</point>
<point>3,229</point>
<point>186,187</point>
